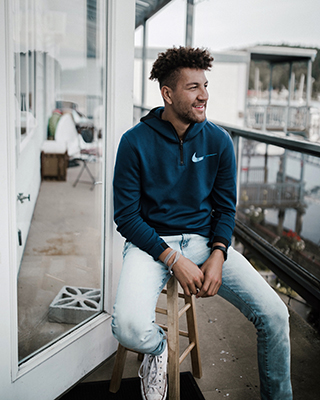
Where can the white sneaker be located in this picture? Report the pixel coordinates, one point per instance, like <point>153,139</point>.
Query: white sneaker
<point>153,376</point>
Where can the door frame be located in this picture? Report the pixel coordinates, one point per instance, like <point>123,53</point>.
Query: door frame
<point>59,366</point>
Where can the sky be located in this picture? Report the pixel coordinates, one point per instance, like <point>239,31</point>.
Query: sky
<point>233,24</point>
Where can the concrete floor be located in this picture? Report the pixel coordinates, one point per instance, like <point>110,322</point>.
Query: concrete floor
<point>228,352</point>
<point>62,250</point>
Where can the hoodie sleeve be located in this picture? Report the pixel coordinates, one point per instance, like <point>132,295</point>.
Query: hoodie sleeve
<point>127,209</point>
<point>224,196</point>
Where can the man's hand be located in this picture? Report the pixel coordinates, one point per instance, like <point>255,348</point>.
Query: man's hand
<point>212,270</point>
<point>202,282</point>
<point>189,275</point>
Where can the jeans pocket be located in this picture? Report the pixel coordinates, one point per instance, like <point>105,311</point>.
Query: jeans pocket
<point>125,248</point>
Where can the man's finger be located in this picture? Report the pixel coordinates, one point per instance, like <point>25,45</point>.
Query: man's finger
<point>193,289</point>
<point>202,291</point>
<point>186,290</point>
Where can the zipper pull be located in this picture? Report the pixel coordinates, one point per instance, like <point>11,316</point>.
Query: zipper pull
<point>181,151</point>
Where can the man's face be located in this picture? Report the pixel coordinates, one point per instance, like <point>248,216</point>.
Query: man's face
<point>189,98</point>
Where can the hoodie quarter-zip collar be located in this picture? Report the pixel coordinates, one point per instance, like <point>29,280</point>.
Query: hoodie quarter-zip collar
<point>165,128</point>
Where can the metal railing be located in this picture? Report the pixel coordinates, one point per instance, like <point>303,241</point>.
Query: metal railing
<point>278,195</point>
<point>270,195</point>
<point>274,117</point>
<point>300,279</point>
<point>139,112</point>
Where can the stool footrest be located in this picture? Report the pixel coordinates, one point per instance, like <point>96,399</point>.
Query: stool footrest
<point>161,310</point>
<point>181,333</point>
<point>186,352</point>
<point>184,309</point>
<point>181,295</point>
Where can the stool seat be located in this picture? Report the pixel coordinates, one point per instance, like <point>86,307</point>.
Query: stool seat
<point>173,332</point>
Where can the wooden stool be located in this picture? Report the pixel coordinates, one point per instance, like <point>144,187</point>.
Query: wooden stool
<point>174,358</point>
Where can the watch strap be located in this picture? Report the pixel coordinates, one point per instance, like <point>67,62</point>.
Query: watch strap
<point>223,249</point>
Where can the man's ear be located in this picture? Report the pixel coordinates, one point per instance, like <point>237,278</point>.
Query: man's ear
<point>166,94</point>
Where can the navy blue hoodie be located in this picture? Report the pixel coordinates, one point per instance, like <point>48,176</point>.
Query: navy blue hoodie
<point>165,186</point>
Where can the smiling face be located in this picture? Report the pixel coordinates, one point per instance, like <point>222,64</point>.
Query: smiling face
<point>187,102</point>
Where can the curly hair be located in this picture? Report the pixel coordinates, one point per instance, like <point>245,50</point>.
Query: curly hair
<point>166,68</point>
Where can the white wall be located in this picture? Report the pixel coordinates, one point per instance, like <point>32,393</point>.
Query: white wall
<point>28,156</point>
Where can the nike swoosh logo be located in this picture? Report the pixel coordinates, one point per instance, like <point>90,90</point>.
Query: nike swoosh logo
<point>197,159</point>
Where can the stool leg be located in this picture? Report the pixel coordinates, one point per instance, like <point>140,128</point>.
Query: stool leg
<point>173,340</point>
<point>194,337</point>
<point>118,369</point>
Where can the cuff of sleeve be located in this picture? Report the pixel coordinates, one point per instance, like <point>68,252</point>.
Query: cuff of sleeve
<point>164,246</point>
<point>219,239</point>
<point>157,250</point>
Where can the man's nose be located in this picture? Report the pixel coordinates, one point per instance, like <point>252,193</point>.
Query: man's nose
<point>203,95</point>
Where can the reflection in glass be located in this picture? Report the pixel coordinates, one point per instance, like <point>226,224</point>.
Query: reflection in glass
<point>279,198</point>
<point>59,70</point>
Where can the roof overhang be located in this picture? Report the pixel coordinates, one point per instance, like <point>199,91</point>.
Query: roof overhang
<point>277,55</point>
<point>145,9</point>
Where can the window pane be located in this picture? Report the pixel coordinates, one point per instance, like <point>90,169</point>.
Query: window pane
<point>59,70</point>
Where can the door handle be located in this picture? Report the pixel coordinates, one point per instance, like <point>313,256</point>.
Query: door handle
<point>19,237</point>
<point>21,197</point>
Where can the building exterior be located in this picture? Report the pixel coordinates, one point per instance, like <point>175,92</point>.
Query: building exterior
<point>231,101</point>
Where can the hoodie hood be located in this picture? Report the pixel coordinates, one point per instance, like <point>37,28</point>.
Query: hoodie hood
<point>165,128</point>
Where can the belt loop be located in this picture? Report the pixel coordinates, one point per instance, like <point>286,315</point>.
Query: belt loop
<point>182,243</point>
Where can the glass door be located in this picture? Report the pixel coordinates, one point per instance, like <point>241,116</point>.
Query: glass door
<point>57,230</point>
<point>59,63</point>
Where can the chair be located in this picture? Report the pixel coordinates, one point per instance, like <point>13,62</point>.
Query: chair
<point>80,145</point>
<point>88,154</point>
<point>173,332</point>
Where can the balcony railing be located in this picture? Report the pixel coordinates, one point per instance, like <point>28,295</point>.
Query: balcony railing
<point>270,195</point>
<point>278,200</point>
<point>278,187</point>
<point>275,117</point>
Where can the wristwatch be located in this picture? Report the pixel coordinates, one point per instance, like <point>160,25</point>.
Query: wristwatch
<point>223,249</point>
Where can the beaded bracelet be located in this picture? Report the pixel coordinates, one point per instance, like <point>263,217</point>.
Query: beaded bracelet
<point>172,252</point>
<point>176,258</point>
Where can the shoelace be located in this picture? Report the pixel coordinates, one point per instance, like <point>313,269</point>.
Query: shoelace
<point>153,368</point>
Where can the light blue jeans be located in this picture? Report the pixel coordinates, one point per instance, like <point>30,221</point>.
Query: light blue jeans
<point>142,280</point>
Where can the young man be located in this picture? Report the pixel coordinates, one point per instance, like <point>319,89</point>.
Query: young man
<point>174,201</point>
